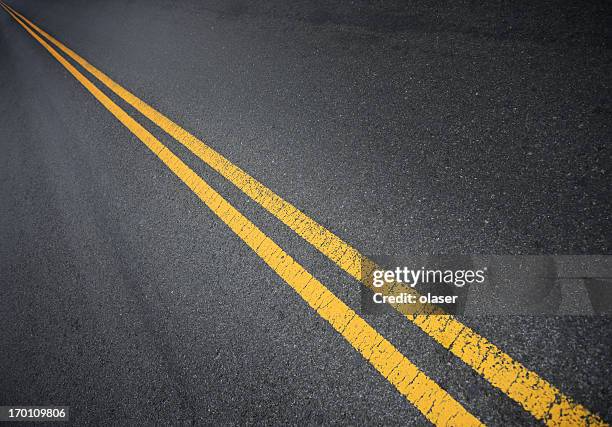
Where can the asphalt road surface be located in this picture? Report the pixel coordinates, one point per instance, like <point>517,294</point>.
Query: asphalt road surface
<point>401,127</point>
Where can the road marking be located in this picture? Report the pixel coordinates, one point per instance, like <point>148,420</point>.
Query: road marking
<point>537,396</point>
<point>426,395</point>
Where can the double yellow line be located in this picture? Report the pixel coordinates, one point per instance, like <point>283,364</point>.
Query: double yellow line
<point>434,402</point>
<point>543,400</point>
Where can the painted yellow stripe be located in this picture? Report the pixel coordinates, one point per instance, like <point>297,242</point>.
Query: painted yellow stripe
<point>433,401</point>
<point>542,399</point>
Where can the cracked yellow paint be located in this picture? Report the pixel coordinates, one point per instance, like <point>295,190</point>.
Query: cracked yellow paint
<point>440,408</point>
<point>542,399</point>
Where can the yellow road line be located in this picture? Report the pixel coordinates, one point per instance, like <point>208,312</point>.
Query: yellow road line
<point>542,399</point>
<point>433,401</point>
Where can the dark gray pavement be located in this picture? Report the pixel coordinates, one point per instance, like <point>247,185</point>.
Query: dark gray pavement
<point>402,127</point>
